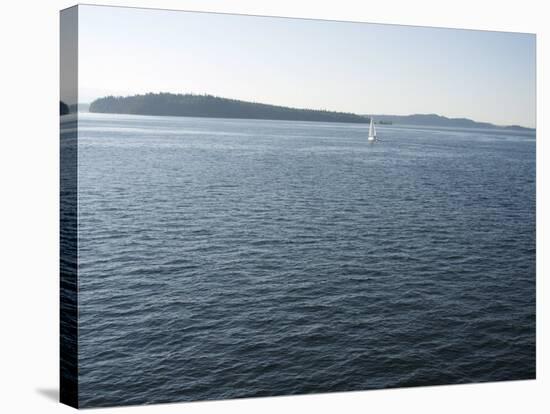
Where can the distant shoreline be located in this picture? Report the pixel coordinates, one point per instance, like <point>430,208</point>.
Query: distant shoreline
<point>209,106</point>
<point>435,120</point>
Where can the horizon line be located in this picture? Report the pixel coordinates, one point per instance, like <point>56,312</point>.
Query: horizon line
<point>311,109</point>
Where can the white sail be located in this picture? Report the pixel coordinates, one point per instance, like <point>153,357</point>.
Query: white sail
<point>372,131</point>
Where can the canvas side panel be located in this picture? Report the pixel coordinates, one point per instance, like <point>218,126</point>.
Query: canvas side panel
<point>68,206</point>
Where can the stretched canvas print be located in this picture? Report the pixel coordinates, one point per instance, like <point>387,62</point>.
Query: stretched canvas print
<point>259,206</point>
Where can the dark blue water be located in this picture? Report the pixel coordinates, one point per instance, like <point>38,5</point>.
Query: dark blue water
<point>232,258</point>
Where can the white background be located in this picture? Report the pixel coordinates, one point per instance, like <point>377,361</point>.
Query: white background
<point>29,162</point>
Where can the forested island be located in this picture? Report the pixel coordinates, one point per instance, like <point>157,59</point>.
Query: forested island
<point>168,104</point>
<point>209,106</point>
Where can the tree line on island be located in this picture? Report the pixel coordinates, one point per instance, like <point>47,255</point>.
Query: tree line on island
<point>168,104</point>
<point>209,106</point>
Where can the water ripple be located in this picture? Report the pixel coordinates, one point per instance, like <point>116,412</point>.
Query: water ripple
<point>295,259</point>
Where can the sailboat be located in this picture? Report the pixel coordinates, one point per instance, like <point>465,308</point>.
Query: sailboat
<point>372,131</point>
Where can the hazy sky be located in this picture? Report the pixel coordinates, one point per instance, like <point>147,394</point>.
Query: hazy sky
<point>355,67</point>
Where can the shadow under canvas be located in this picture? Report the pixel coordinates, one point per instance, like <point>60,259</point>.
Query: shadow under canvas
<point>49,393</point>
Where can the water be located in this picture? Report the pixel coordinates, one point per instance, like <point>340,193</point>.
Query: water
<point>233,258</point>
